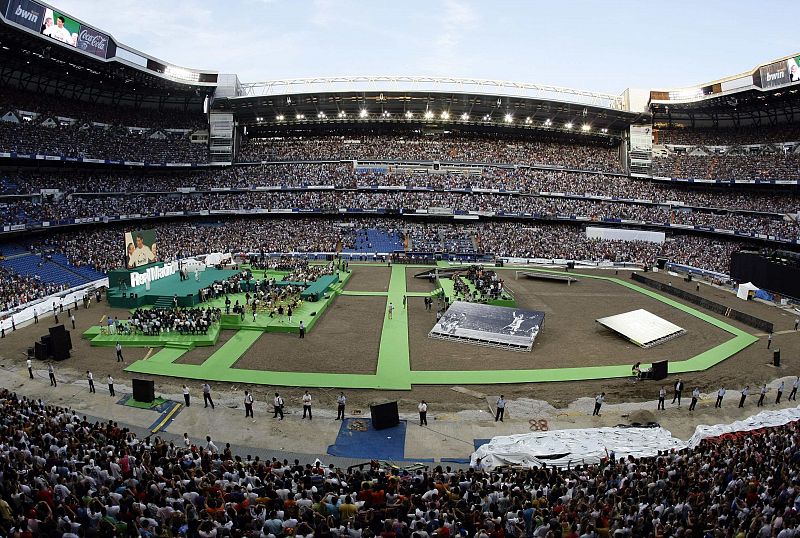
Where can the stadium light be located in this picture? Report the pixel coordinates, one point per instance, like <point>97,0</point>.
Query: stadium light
<point>363,113</point>
<point>604,130</point>
<point>568,125</point>
<point>342,114</point>
<point>386,114</point>
<point>279,117</point>
<point>548,122</point>
<point>300,116</point>
<point>509,118</point>
<point>528,120</point>
<point>487,117</point>
<point>428,114</point>
<point>321,115</point>
<point>409,114</point>
<point>586,127</point>
<point>445,115</point>
<point>465,116</point>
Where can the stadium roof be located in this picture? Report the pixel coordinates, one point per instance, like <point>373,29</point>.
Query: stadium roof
<point>442,102</point>
<point>767,94</point>
<point>93,67</point>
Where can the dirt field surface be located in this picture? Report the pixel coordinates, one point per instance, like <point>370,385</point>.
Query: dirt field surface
<point>369,279</point>
<point>571,337</point>
<point>345,340</point>
<point>198,355</point>
<point>100,360</point>
<point>417,284</point>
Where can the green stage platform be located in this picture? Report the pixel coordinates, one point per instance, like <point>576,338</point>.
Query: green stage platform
<point>394,366</point>
<point>165,289</point>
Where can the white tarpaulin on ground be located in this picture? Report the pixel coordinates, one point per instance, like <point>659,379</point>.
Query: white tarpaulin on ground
<point>621,234</point>
<point>745,289</point>
<point>765,419</point>
<point>641,327</point>
<point>559,448</point>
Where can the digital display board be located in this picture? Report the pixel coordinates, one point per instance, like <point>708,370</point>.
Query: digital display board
<point>779,73</point>
<point>56,25</point>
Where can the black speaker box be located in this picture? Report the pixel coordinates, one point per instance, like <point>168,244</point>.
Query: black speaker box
<point>40,351</point>
<point>662,263</point>
<point>776,357</point>
<point>384,415</point>
<point>143,391</point>
<point>660,370</point>
<point>499,263</point>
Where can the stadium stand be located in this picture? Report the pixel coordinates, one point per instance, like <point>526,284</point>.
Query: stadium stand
<point>66,476</point>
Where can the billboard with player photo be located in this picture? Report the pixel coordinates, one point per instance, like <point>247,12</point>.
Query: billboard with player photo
<point>140,248</point>
<point>60,27</point>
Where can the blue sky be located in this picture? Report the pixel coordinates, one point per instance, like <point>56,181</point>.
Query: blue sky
<point>599,46</point>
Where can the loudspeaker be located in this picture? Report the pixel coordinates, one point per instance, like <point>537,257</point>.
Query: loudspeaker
<point>659,370</point>
<point>384,415</point>
<point>60,343</point>
<point>143,391</point>
<point>661,263</point>
<point>499,263</point>
<point>689,277</point>
<point>40,351</point>
<point>776,358</point>
<point>570,265</point>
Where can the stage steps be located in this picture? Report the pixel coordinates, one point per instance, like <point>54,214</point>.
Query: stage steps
<point>163,302</point>
<point>180,345</point>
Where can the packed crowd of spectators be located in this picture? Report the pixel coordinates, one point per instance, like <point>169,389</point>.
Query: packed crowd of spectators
<point>549,241</point>
<point>445,148</point>
<point>16,289</point>
<point>330,201</point>
<point>155,321</point>
<point>115,143</point>
<point>293,175</point>
<point>64,476</point>
<point>739,167</point>
<point>49,106</point>
<point>733,136</point>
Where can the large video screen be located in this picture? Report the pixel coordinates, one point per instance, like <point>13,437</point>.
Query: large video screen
<point>58,26</point>
<point>780,73</point>
<point>140,248</point>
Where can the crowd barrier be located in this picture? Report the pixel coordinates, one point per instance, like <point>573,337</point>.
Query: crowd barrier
<point>728,312</point>
<point>44,307</point>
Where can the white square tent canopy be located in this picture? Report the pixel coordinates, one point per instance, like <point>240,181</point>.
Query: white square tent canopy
<point>641,327</point>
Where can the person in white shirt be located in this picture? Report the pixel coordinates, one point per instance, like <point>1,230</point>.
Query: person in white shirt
<point>110,382</point>
<point>423,413</point>
<point>793,393</point>
<point>662,394</point>
<point>248,405</point>
<point>341,400</point>
<point>186,396</point>
<point>762,396</point>
<point>307,405</point>
<point>58,32</point>
<point>90,379</point>
<point>780,393</point>
<point>186,442</point>
<point>695,397</point>
<point>29,364</point>
<point>745,392</point>
<point>720,396</point>
<point>598,403</point>
<point>501,409</point>
<point>277,403</point>
<point>210,446</point>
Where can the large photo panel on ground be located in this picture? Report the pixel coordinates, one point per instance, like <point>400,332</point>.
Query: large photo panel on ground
<point>481,324</point>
